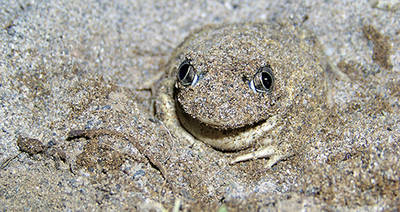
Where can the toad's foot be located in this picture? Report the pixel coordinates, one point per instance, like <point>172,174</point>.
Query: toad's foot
<point>270,151</point>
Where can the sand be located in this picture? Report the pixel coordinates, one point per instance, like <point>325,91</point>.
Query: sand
<point>76,131</point>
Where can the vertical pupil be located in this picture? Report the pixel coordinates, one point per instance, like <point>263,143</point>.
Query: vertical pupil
<point>183,72</point>
<point>266,80</point>
<point>186,74</point>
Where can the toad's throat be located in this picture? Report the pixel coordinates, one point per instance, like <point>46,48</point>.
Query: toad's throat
<point>221,139</point>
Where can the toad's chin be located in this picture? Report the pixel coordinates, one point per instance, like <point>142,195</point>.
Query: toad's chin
<point>220,139</point>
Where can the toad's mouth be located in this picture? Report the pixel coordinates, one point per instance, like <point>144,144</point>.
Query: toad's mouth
<point>220,139</point>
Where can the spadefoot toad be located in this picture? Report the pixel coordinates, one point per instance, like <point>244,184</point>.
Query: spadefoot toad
<point>233,86</point>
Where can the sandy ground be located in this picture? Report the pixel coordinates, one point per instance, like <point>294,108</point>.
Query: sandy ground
<point>76,132</point>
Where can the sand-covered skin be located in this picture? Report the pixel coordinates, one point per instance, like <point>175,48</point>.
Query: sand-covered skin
<point>224,105</point>
<point>76,66</point>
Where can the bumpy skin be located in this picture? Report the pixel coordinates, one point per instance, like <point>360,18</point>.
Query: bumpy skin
<point>221,109</point>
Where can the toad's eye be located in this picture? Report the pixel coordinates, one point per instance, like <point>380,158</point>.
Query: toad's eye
<point>187,74</point>
<point>263,80</point>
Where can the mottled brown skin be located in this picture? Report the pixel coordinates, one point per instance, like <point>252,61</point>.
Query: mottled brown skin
<point>221,109</point>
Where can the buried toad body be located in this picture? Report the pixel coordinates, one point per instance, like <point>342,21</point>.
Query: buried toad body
<point>240,85</point>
